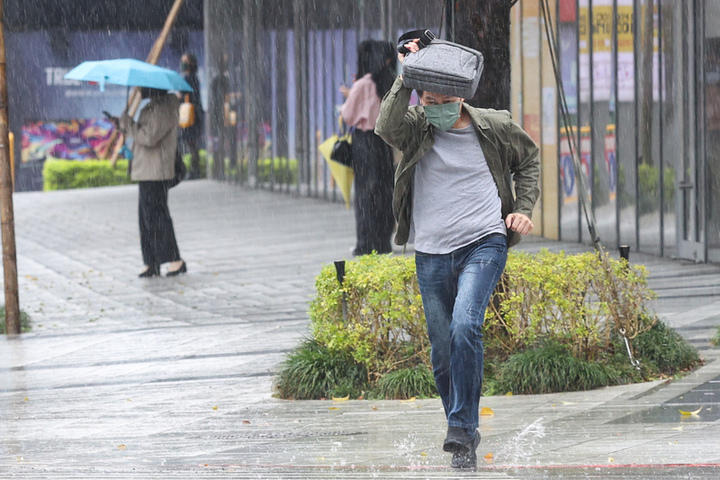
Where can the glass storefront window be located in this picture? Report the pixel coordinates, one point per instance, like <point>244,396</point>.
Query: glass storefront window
<point>712,125</point>
<point>648,114</point>
<point>674,79</point>
<point>626,115</point>
<point>568,30</point>
<point>641,80</point>
<point>603,115</point>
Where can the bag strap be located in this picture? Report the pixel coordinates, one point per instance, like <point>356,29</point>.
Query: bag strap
<point>425,36</point>
<point>344,128</point>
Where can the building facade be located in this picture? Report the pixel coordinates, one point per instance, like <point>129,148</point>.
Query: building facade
<point>641,84</point>
<point>52,117</point>
<point>639,105</point>
<point>288,60</point>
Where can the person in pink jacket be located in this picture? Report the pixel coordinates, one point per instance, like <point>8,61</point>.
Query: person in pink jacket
<point>372,157</point>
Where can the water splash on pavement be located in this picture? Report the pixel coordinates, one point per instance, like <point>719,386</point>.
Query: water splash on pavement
<point>407,447</point>
<point>522,446</point>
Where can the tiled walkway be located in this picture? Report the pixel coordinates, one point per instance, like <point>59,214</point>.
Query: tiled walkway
<point>171,378</point>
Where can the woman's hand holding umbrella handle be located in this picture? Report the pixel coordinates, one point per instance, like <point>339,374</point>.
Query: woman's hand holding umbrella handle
<point>112,118</point>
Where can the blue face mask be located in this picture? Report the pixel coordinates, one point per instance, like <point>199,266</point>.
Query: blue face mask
<point>443,116</point>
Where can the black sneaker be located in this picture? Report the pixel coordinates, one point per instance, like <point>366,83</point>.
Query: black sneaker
<point>457,440</point>
<point>462,447</point>
<point>468,458</point>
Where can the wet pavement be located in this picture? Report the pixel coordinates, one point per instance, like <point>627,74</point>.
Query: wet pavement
<point>172,378</point>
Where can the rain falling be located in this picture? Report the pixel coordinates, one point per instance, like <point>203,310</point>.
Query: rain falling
<point>261,251</point>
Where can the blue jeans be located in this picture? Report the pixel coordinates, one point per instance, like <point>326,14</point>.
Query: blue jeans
<point>456,288</point>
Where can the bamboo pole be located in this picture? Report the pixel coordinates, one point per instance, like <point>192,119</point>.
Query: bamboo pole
<point>7,217</point>
<point>153,56</point>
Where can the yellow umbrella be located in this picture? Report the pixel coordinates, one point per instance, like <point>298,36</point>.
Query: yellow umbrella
<point>342,174</point>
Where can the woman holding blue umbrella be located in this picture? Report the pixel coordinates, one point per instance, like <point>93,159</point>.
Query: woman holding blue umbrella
<point>154,150</point>
<point>153,167</point>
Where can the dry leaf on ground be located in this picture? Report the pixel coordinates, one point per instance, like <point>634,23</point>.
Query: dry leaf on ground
<point>691,413</point>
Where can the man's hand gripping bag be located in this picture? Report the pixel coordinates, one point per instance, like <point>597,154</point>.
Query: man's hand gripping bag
<point>444,67</point>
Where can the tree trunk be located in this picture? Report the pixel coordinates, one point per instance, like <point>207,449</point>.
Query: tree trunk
<point>485,26</point>
<point>12,303</point>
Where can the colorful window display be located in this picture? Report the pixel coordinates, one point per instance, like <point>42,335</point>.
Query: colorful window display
<point>77,139</point>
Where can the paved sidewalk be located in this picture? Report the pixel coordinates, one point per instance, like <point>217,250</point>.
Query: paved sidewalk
<point>171,378</point>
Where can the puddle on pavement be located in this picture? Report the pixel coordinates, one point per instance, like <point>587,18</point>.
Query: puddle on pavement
<point>705,396</point>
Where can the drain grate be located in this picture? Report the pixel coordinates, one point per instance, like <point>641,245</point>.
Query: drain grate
<point>282,435</point>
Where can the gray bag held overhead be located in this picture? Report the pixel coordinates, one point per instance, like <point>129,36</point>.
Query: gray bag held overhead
<point>443,67</point>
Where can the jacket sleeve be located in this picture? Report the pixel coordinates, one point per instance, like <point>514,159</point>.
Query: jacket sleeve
<point>524,167</point>
<point>150,128</point>
<point>395,124</point>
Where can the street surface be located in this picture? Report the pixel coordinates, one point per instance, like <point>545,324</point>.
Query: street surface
<point>172,378</point>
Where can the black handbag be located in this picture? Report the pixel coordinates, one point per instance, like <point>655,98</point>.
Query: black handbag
<point>342,151</point>
<point>180,171</point>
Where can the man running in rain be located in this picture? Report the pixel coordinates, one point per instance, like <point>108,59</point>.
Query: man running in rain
<point>453,199</point>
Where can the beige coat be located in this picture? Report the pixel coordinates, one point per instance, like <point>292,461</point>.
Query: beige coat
<point>154,139</point>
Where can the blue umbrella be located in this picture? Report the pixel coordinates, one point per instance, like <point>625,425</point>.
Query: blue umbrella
<point>130,73</point>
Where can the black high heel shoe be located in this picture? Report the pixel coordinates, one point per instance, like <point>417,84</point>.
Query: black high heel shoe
<point>151,271</point>
<point>182,269</point>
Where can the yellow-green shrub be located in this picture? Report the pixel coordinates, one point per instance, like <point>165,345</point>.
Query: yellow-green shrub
<point>385,329</point>
<point>203,155</point>
<point>68,174</point>
<point>284,170</point>
<point>577,301</point>
<point>574,300</point>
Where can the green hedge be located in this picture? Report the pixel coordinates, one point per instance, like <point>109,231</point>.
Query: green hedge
<point>187,159</point>
<point>68,174</point>
<point>25,325</point>
<point>649,188</point>
<point>578,301</point>
<point>285,170</point>
<point>555,323</point>
<point>385,329</point>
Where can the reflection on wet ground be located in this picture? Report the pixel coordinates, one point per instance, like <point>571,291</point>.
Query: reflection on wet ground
<point>625,472</point>
<point>701,404</point>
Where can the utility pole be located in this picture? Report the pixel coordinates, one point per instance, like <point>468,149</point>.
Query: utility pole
<point>7,217</point>
<point>485,26</point>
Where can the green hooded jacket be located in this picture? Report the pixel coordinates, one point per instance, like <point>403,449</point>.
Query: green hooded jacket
<point>511,154</point>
